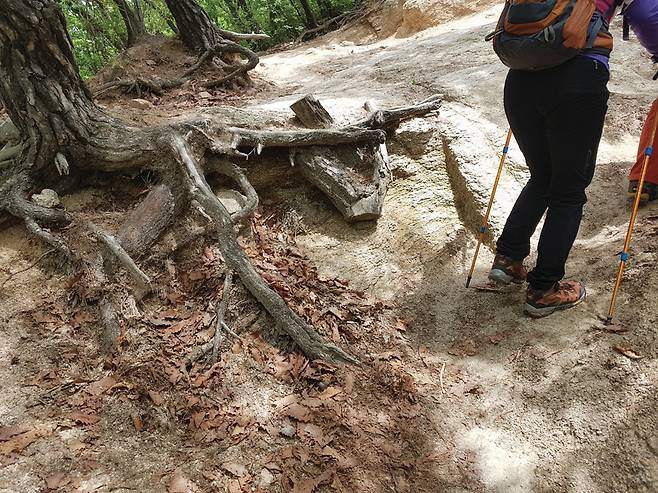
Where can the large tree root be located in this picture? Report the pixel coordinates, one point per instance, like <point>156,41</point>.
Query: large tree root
<point>122,148</point>
<point>308,340</point>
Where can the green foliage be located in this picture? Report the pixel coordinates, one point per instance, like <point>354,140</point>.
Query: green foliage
<point>99,34</point>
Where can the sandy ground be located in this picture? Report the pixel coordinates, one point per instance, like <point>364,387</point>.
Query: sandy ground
<point>545,406</point>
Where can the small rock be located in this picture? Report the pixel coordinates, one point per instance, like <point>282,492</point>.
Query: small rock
<point>205,95</point>
<point>141,104</point>
<point>47,198</point>
<point>151,63</point>
<point>347,43</point>
<point>288,431</point>
<point>266,479</point>
<point>232,200</point>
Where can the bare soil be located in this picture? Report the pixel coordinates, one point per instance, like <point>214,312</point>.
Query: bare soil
<point>458,391</point>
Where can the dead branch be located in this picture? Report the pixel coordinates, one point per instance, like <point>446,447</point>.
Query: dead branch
<point>221,313</point>
<point>306,338</point>
<point>113,246</point>
<point>260,139</point>
<point>384,119</point>
<point>325,27</point>
<point>233,172</point>
<point>148,221</point>
<point>311,113</point>
<point>56,243</point>
<point>111,328</point>
<point>237,37</point>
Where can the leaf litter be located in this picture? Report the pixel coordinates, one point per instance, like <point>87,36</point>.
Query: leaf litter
<point>263,418</point>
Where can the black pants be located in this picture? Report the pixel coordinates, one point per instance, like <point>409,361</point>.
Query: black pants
<point>557,118</point>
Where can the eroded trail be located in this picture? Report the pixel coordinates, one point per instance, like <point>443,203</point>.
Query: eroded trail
<point>468,396</point>
<point>529,405</point>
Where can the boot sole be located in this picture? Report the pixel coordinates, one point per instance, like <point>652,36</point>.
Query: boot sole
<point>501,277</point>
<point>534,312</point>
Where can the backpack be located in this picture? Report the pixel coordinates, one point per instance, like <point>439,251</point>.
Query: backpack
<point>540,34</point>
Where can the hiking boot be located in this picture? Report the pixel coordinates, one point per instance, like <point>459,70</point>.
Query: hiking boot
<point>649,191</point>
<point>505,270</point>
<point>563,295</point>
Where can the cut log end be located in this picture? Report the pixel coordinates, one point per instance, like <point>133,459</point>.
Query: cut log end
<point>311,113</point>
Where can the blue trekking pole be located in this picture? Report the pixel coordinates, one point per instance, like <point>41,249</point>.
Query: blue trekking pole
<point>484,229</point>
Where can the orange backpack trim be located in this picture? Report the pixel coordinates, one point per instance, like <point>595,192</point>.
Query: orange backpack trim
<point>535,27</point>
<point>577,26</point>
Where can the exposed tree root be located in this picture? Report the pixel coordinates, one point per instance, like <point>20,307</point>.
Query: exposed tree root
<point>306,338</point>
<point>113,247</point>
<point>111,326</point>
<point>63,128</point>
<point>212,54</point>
<point>70,261</point>
<point>221,314</point>
<point>232,171</point>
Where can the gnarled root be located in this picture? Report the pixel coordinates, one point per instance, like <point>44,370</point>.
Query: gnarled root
<point>69,260</point>
<point>306,338</point>
<point>158,86</point>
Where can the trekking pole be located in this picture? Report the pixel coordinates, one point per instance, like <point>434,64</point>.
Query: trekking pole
<point>625,254</point>
<point>485,223</point>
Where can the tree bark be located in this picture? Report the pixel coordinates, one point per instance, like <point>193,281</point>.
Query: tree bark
<point>311,21</point>
<point>196,29</point>
<point>133,18</point>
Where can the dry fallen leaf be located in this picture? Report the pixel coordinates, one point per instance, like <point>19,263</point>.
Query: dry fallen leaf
<point>20,442</point>
<point>7,432</point>
<point>101,386</point>
<point>627,351</point>
<point>156,397</point>
<point>180,484</point>
<point>614,328</point>
<point>137,421</point>
<point>298,412</point>
<point>234,468</point>
<point>54,481</point>
<point>85,419</point>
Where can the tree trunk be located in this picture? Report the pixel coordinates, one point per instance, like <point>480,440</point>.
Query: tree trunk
<point>311,22</point>
<point>194,25</point>
<point>327,10</point>
<point>133,17</point>
<point>51,107</point>
<point>39,80</point>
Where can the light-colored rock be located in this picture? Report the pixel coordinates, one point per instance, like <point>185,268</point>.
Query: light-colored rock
<point>266,479</point>
<point>233,201</point>
<point>47,198</point>
<point>141,104</point>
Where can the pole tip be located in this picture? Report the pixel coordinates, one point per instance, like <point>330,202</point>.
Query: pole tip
<point>468,281</point>
<point>608,320</point>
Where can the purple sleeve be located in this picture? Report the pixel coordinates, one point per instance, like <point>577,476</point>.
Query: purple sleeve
<point>642,16</point>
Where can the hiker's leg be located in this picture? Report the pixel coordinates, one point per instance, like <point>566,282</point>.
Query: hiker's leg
<point>529,129</point>
<point>575,125</point>
<point>652,170</point>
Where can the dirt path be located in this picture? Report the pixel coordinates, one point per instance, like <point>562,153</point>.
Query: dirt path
<point>471,397</point>
<point>533,405</point>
